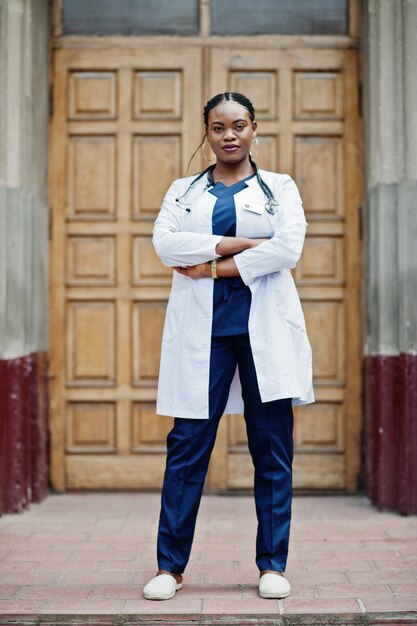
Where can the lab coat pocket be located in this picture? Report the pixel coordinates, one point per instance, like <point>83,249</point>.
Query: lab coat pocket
<point>175,313</point>
<point>253,222</point>
<point>253,207</point>
<point>288,308</point>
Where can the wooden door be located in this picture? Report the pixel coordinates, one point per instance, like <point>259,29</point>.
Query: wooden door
<point>125,122</point>
<point>308,127</point>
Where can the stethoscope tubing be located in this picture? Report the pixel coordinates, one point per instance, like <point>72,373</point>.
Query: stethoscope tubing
<point>271,205</point>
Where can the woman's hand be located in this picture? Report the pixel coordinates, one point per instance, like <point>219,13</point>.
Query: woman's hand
<point>202,270</point>
<point>226,267</point>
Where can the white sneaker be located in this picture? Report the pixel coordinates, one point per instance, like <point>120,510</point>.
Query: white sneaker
<point>274,586</point>
<point>161,587</point>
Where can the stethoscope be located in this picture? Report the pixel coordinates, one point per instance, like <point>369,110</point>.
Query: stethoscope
<point>271,204</point>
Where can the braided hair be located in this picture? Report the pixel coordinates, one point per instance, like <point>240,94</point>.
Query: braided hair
<point>227,96</point>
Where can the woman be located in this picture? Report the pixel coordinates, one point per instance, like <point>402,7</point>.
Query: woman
<point>234,338</point>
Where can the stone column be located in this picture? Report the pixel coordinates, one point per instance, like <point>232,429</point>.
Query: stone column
<point>390,252</point>
<point>23,251</point>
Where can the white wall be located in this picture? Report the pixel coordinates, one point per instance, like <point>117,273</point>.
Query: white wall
<point>23,176</point>
<point>390,207</point>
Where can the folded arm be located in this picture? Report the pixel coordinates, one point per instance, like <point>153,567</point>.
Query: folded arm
<point>226,267</point>
<point>190,253</point>
<point>180,248</point>
<point>284,249</point>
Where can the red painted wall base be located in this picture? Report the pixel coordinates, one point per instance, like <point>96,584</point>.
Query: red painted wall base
<point>390,394</point>
<point>390,388</point>
<point>23,432</point>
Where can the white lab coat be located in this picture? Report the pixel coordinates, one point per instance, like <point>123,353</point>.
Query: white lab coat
<point>280,346</point>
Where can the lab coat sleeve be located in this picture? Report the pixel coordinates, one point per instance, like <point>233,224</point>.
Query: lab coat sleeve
<point>284,248</point>
<point>180,248</point>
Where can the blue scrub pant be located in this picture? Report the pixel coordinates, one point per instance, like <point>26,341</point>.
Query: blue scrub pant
<point>269,428</point>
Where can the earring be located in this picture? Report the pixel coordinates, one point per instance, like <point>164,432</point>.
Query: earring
<point>257,149</point>
<point>204,154</point>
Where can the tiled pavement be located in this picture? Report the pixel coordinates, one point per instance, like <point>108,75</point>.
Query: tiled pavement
<point>84,558</point>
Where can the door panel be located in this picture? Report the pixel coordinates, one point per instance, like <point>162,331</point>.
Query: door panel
<point>305,123</point>
<point>123,129</point>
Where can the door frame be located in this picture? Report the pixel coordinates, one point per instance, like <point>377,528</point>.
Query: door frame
<point>56,176</point>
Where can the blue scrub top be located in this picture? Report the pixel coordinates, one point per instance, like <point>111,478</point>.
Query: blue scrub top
<point>231,297</point>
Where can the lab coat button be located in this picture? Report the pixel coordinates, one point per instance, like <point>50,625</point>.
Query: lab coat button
<point>247,206</point>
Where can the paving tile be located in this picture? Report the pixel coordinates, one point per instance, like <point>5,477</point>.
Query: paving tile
<point>51,536</point>
<point>70,566</point>
<point>412,521</point>
<point>128,566</point>
<point>223,536</point>
<point>391,604</point>
<point>104,555</point>
<point>213,591</point>
<point>229,546</point>
<point>402,533</point>
<point>21,546</point>
<point>295,567</point>
<point>231,578</point>
<point>10,536</point>
<point>75,606</point>
<point>19,607</point>
<point>329,544</point>
<point>366,553</point>
<point>36,592</point>
<point>8,591</point>
<point>406,550</point>
<point>31,578</point>
<point>87,546</point>
<point>39,555</point>
<point>404,565</point>
<point>342,534</point>
<point>249,564</point>
<point>317,577</point>
<point>406,589</point>
<point>179,605</point>
<point>353,565</point>
<point>14,566</point>
<point>387,542</point>
<point>95,578</point>
<point>353,591</point>
<point>297,554</point>
<point>382,577</point>
<point>245,606</point>
<point>336,606</point>
<point>228,555</point>
<point>212,566</point>
<point>117,592</point>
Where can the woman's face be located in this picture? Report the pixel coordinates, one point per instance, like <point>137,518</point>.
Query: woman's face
<point>230,132</point>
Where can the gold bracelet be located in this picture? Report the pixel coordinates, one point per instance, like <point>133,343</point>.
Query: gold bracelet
<point>213,268</point>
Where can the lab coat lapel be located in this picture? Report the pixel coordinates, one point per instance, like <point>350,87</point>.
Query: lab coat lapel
<point>250,193</point>
<point>200,216</point>
<point>248,223</point>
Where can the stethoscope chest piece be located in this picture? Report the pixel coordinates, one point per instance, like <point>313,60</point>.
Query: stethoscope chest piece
<point>271,206</point>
